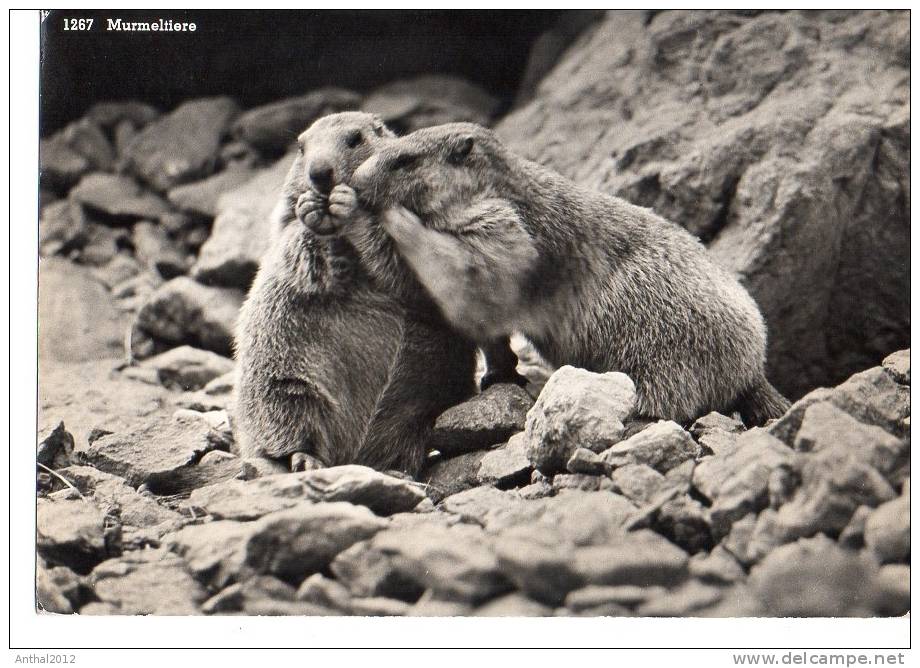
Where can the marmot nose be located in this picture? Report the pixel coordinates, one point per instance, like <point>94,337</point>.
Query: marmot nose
<point>322,176</point>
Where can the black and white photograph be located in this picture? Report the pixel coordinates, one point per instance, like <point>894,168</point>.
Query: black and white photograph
<point>563,313</point>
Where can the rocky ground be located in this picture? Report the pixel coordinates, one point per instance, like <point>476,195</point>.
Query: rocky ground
<point>551,501</point>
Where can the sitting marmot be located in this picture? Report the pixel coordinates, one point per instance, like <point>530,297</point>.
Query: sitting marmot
<point>331,364</point>
<point>504,244</point>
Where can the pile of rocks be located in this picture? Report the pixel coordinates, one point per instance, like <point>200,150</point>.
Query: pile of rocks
<point>567,506</point>
<point>169,211</point>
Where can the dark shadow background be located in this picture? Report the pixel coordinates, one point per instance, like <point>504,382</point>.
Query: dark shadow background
<point>257,57</point>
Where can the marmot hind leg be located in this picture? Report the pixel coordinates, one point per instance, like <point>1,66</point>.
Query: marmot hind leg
<point>501,364</point>
<point>761,402</point>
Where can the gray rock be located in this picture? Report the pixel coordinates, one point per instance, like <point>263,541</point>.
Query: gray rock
<point>456,562</point>
<point>637,482</point>
<point>595,597</point>
<point>367,572</point>
<point>826,427</point>
<point>200,197</point>
<point>577,408</point>
<point>872,397</point>
<point>853,535</point>
<point>662,446</point>
<point>181,146</point>
<point>787,427</point>
<point>430,100</point>
<point>62,229</point>
<point>117,196</point>
<point>513,605</point>
<point>715,420</point>
<point>86,138</point>
<point>898,366</point>
<point>738,481</point>
<point>109,115</point>
<point>122,267</point>
<point>684,601</point>
<point>241,231</point>
<point>582,481</point>
<point>718,566</point>
<point>188,368</point>
<point>486,419</point>
<point>893,584</point>
<point>506,464</point>
<point>183,311</point>
<point>685,522</point>
<point>586,462</point>
<point>55,447</point>
<point>641,558</point>
<point>79,321</point>
<point>741,128</point>
<point>49,596</point>
<point>814,577</point>
<point>887,530</point>
<point>326,592</point>
<point>154,247</point>
<point>150,582</point>
<point>379,606</point>
<point>75,534</point>
<point>383,494</point>
<point>258,467</point>
<point>446,477</point>
<point>60,165</point>
<point>429,605</point>
<point>248,500</point>
<point>542,570</point>
<point>214,552</point>
<point>274,127</point>
<point>154,452</point>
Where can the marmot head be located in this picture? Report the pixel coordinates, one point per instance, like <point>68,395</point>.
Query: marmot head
<point>332,148</point>
<point>434,168</point>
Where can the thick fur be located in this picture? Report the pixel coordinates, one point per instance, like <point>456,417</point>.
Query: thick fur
<point>330,362</point>
<point>504,244</point>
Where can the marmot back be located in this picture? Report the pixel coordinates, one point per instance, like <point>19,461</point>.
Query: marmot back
<point>504,244</point>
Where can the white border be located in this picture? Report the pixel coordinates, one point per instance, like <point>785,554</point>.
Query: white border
<point>31,630</point>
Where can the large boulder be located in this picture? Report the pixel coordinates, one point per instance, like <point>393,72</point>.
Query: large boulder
<point>781,139</point>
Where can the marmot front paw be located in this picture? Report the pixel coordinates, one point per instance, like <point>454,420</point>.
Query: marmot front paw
<point>311,210</point>
<point>343,202</point>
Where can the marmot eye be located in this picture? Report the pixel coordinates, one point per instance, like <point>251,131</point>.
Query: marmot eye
<point>403,161</point>
<point>300,148</point>
<point>354,139</point>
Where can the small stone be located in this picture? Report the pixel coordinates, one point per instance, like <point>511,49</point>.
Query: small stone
<point>641,558</point>
<point>887,530</point>
<point>53,594</point>
<point>216,456</point>
<point>513,605</point>
<point>662,446</point>
<point>718,566</point>
<point>486,419</point>
<point>379,606</point>
<point>200,197</point>
<point>536,490</point>
<point>786,428</point>
<point>595,597</point>
<point>86,138</point>
<point>60,165</point>
<point>586,462</point>
<point>117,196</point>
<point>182,311</point>
<point>364,486</point>
<point>455,562</point>
<point>182,145</point>
<point>872,397</point>
<point>637,482</point>
<point>110,114</point>
<point>893,590</point>
<point>259,467</point>
<point>366,571</point>
<point>188,368</point>
<point>221,385</point>
<point>577,408</point>
<point>55,447</point>
<point>814,577</point>
<point>247,500</point>
<point>119,269</point>
<point>541,570</point>
<point>715,421</point>
<point>446,477</point>
<point>147,583</point>
<point>853,534</point>
<point>505,465</point>
<point>154,247</point>
<point>214,551</point>
<point>156,451</point>
<point>74,534</point>
<point>323,591</point>
<point>685,522</point>
<point>429,605</point>
<point>62,229</point>
<point>683,601</point>
<point>898,366</point>
<point>580,481</point>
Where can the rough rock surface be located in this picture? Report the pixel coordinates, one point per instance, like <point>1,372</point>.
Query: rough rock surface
<point>486,419</point>
<point>662,446</point>
<point>180,146</point>
<point>240,236</point>
<point>748,130</point>
<point>117,196</point>
<point>188,368</point>
<point>577,408</point>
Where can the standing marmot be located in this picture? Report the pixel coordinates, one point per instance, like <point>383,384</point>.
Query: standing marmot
<point>329,363</point>
<point>504,244</point>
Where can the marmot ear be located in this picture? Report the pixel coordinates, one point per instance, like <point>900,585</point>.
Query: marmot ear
<point>380,129</point>
<point>461,147</point>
